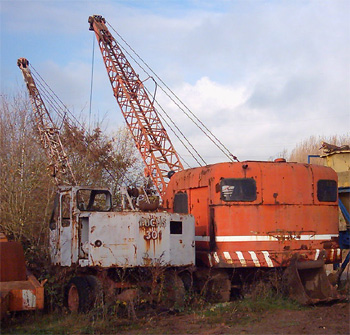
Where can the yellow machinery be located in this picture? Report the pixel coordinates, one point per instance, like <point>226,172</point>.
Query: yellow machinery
<point>338,158</point>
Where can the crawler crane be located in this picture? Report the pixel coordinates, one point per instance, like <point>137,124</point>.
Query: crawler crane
<point>248,215</point>
<point>107,249</point>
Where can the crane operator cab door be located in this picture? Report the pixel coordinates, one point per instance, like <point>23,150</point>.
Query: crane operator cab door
<point>74,207</point>
<point>91,205</point>
<point>61,230</point>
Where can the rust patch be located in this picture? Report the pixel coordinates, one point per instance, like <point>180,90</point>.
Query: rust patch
<point>147,260</point>
<point>12,262</point>
<point>284,235</point>
<point>151,227</point>
<point>275,195</point>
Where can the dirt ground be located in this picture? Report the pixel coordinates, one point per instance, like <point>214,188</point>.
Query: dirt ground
<point>327,319</point>
<point>215,320</point>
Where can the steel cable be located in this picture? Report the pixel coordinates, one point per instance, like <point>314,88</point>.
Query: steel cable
<point>218,143</point>
<point>67,117</point>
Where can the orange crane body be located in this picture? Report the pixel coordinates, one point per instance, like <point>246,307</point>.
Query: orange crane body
<point>259,214</point>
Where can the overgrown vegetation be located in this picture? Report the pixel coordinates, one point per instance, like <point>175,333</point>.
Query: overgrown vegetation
<point>263,293</point>
<point>27,189</point>
<point>260,298</point>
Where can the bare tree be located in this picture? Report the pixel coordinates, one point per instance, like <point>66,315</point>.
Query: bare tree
<point>27,189</point>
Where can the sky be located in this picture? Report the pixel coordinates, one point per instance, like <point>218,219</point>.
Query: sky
<point>261,75</point>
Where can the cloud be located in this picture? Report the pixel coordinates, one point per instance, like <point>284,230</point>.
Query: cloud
<point>225,111</point>
<point>262,76</point>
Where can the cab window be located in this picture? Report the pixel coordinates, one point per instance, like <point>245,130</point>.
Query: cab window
<point>94,200</point>
<point>238,189</point>
<point>55,213</point>
<point>65,210</point>
<point>181,203</point>
<point>327,190</point>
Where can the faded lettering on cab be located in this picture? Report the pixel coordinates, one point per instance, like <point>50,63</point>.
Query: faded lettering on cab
<point>151,227</point>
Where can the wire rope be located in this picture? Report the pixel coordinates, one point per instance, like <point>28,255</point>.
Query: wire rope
<point>71,121</point>
<point>179,130</point>
<point>168,116</point>
<point>92,78</point>
<point>218,143</point>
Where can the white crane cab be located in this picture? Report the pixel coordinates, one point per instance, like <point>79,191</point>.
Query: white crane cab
<point>84,231</point>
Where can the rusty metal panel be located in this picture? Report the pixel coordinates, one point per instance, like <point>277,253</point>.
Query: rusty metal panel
<point>240,258</point>
<point>107,239</point>
<point>131,239</point>
<point>55,250</point>
<point>12,263</point>
<point>182,245</point>
<point>286,217</point>
<point>23,295</point>
<point>4,303</point>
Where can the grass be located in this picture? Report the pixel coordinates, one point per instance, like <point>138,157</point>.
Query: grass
<point>248,310</point>
<point>265,303</point>
<point>55,323</point>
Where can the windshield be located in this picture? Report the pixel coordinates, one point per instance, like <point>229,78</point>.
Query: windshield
<point>94,200</point>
